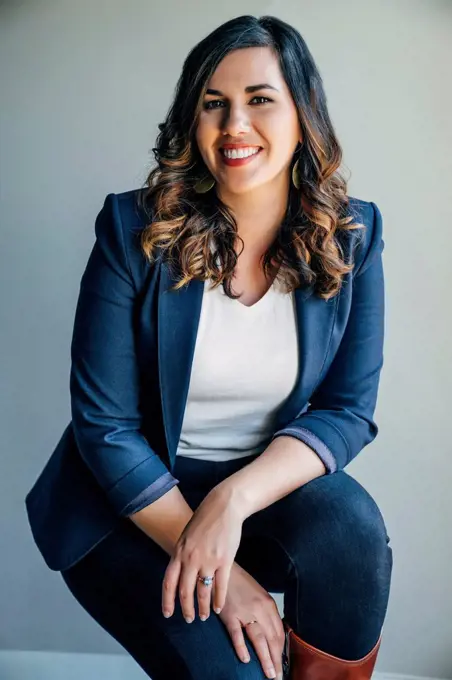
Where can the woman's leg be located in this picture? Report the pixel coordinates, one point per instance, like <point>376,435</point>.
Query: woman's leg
<point>119,584</point>
<point>338,563</point>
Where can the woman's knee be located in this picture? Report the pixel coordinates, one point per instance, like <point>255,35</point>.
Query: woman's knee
<point>343,520</point>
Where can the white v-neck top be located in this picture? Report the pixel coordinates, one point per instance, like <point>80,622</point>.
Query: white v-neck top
<point>245,365</point>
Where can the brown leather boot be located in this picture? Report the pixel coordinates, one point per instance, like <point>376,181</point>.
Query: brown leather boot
<point>305,662</point>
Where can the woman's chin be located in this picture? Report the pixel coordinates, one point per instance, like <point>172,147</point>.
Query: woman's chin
<point>238,187</point>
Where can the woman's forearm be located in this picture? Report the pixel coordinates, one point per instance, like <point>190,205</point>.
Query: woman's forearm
<point>165,519</point>
<point>285,465</point>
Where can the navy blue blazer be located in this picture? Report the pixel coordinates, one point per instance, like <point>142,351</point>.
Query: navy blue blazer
<point>131,355</point>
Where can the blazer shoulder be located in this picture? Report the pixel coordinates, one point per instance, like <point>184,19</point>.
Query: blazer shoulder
<point>133,216</point>
<point>129,218</point>
<point>366,241</point>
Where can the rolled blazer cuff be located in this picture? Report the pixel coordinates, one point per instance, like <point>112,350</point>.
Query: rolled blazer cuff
<point>150,475</point>
<point>152,493</point>
<point>314,442</point>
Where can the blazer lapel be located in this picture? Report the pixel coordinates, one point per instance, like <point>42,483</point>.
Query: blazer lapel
<point>315,322</point>
<point>178,320</point>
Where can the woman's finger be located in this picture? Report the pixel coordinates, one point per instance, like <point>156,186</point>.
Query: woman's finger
<point>169,586</point>
<point>222,575</point>
<point>187,585</point>
<point>258,638</point>
<point>274,634</point>
<point>238,640</point>
<point>204,597</point>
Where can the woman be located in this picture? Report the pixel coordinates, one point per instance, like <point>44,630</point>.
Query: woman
<point>226,356</point>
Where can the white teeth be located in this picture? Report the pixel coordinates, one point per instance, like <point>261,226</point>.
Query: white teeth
<point>240,153</point>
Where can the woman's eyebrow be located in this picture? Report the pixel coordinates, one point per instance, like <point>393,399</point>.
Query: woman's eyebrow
<point>250,88</point>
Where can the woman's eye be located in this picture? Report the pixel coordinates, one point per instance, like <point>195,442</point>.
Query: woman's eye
<point>266,99</point>
<point>213,102</point>
<point>210,105</point>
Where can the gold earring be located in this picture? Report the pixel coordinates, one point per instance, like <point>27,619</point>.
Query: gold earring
<point>295,175</point>
<point>204,185</point>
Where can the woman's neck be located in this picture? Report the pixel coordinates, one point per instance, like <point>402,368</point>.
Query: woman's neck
<point>258,214</point>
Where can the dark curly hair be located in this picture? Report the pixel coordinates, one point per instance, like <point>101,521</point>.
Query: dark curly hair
<point>195,232</point>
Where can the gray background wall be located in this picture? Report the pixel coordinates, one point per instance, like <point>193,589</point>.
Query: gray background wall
<point>83,86</point>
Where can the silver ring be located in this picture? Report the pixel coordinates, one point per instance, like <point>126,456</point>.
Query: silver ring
<point>249,622</point>
<point>207,580</point>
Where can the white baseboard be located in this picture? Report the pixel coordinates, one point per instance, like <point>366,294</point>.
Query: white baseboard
<point>64,666</point>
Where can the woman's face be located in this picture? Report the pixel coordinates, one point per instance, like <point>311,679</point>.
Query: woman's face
<point>238,115</point>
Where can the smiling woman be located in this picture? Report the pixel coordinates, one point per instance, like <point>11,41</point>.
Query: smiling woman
<point>222,378</point>
<point>256,90</point>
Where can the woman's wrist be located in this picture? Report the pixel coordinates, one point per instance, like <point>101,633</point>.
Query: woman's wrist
<point>231,493</point>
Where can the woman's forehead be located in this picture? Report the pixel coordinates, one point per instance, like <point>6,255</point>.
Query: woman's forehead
<point>246,67</point>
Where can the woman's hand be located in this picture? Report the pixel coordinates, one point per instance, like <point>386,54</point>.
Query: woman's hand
<point>206,547</point>
<point>248,601</point>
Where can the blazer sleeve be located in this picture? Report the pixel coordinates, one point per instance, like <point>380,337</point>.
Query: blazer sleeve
<point>104,376</point>
<point>339,421</point>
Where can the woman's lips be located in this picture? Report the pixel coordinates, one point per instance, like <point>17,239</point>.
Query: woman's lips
<point>235,162</point>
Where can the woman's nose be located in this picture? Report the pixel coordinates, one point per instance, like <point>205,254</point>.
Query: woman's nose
<point>235,122</point>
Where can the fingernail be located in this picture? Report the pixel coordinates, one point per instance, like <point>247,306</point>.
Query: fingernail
<point>166,614</point>
<point>279,676</point>
<point>203,617</point>
<point>188,619</point>
<point>246,659</point>
<point>271,673</point>
<point>217,610</point>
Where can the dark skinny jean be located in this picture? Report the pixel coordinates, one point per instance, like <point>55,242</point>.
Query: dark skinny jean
<point>324,546</point>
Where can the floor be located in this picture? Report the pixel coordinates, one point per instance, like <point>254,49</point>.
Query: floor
<point>60,666</point>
